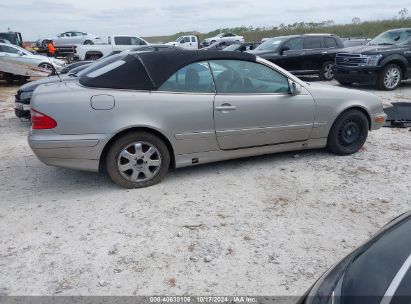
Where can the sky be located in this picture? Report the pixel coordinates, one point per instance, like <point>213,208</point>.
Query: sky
<point>44,18</point>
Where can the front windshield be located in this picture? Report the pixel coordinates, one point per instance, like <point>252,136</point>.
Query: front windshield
<point>179,38</point>
<point>395,37</point>
<point>220,35</point>
<point>100,63</point>
<point>22,50</point>
<point>271,44</point>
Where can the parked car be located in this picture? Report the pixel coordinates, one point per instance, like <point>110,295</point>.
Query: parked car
<point>349,42</point>
<point>12,37</point>
<point>189,42</point>
<point>143,112</point>
<point>377,272</point>
<point>242,47</point>
<point>114,43</point>
<point>384,62</point>
<point>217,46</point>
<point>25,62</point>
<point>222,37</point>
<point>69,38</point>
<point>310,54</point>
<point>23,96</point>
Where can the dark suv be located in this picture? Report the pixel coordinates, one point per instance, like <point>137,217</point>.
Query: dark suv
<point>384,61</point>
<point>310,54</point>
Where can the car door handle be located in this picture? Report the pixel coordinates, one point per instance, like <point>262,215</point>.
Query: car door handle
<point>324,52</point>
<point>226,107</point>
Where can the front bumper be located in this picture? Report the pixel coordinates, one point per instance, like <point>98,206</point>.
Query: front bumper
<point>378,120</point>
<point>361,75</point>
<point>80,152</point>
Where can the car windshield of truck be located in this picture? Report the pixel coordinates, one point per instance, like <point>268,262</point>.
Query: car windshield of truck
<point>179,38</point>
<point>399,37</point>
<point>271,44</point>
<point>122,40</point>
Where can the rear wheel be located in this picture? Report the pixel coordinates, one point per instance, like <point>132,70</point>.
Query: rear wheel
<point>348,133</point>
<point>44,44</point>
<point>327,71</point>
<point>137,160</point>
<point>93,57</point>
<point>390,78</point>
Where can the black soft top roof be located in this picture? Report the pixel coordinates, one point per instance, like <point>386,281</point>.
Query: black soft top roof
<point>149,70</point>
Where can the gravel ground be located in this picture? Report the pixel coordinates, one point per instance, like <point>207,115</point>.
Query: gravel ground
<point>267,225</point>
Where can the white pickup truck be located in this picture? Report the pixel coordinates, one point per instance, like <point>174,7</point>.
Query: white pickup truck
<point>114,43</point>
<point>186,42</point>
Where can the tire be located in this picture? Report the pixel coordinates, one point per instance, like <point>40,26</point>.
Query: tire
<point>327,71</point>
<point>44,44</point>
<point>93,57</point>
<point>211,42</point>
<point>123,153</point>
<point>348,133</point>
<point>48,66</point>
<point>389,78</point>
<point>88,42</point>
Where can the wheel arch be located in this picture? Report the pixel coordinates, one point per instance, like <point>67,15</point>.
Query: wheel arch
<point>359,108</point>
<point>398,60</point>
<point>90,53</point>
<point>136,129</point>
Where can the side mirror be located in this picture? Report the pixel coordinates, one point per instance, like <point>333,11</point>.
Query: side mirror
<point>284,49</point>
<point>20,53</point>
<point>295,88</point>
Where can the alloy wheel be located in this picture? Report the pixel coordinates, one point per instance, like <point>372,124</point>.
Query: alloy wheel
<point>328,71</point>
<point>392,77</point>
<point>139,161</point>
<point>46,66</point>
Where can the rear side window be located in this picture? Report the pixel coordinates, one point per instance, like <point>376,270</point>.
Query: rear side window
<point>128,41</point>
<point>244,77</point>
<point>329,42</point>
<point>312,43</point>
<point>194,78</point>
<point>193,39</point>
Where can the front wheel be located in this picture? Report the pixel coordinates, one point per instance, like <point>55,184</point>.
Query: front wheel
<point>348,133</point>
<point>327,71</point>
<point>390,78</point>
<point>48,66</point>
<point>88,42</point>
<point>137,160</point>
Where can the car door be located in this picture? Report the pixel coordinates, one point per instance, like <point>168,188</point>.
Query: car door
<point>184,107</point>
<point>311,60</point>
<point>291,54</point>
<point>253,106</point>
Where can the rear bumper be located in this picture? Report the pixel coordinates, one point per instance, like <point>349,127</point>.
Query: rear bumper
<point>362,75</point>
<point>80,152</point>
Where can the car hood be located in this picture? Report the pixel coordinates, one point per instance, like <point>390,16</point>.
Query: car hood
<point>317,89</point>
<point>32,85</point>
<point>372,49</point>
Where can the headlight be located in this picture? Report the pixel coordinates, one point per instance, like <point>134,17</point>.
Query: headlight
<point>372,60</point>
<point>26,95</point>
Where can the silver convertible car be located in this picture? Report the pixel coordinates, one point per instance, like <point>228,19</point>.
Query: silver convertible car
<point>138,114</point>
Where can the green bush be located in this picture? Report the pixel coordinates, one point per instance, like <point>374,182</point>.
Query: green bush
<point>368,29</point>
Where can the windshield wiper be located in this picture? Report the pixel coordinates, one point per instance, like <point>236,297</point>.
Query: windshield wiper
<point>73,74</point>
<point>385,43</point>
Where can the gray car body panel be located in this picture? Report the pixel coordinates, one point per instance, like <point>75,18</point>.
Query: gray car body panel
<point>197,132</point>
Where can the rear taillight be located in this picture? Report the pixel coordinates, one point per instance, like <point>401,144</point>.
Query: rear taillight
<point>40,121</point>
